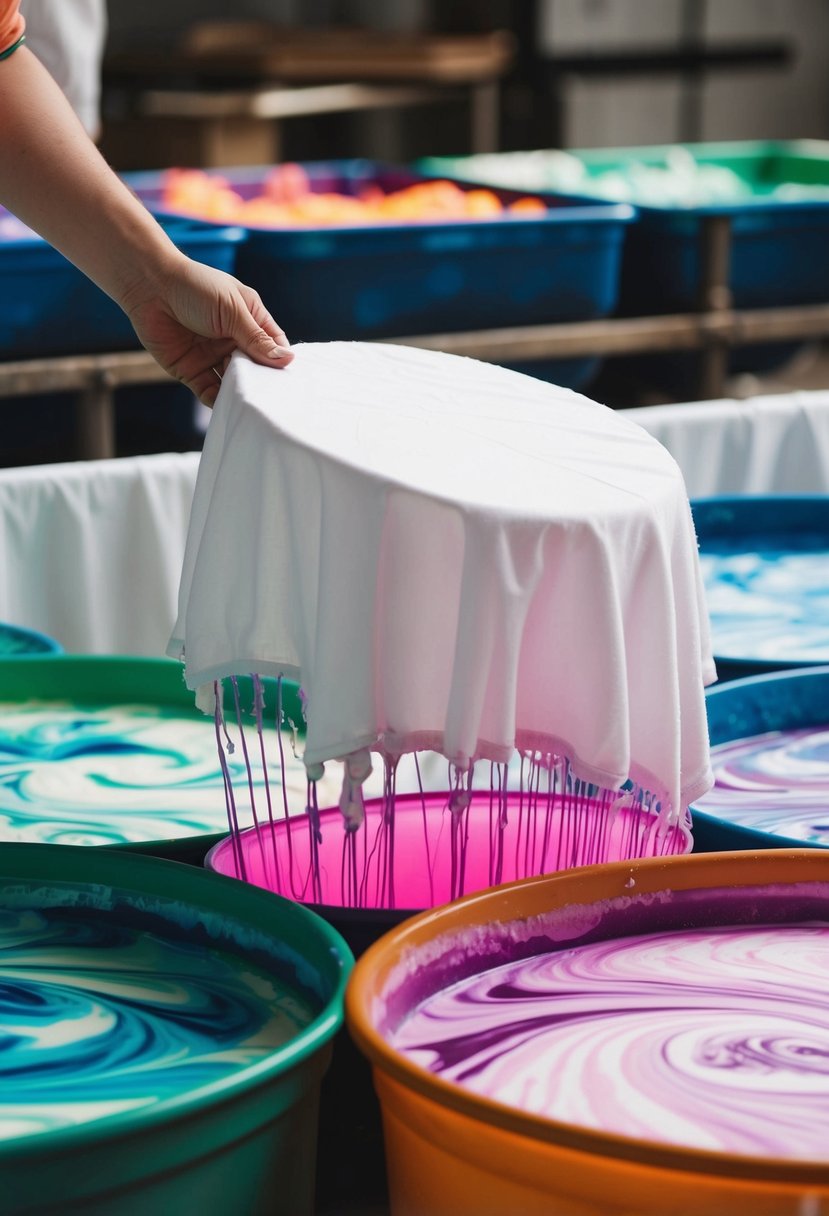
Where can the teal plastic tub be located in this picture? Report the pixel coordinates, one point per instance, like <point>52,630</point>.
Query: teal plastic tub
<point>101,750</point>
<point>130,1084</point>
<point>17,642</point>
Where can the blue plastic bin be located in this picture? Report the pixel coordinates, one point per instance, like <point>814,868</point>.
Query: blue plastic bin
<point>747,525</point>
<point>780,246</point>
<point>19,643</point>
<point>48,307</point>
<point>780,243</point>
<point>777,701</point>
<point>780,252</point>
<point>393,280</point>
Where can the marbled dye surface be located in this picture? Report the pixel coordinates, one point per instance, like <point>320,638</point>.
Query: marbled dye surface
<point>98,1018</point>
<point>768,600</point>
<point>108,776</point>
<point>712,1039</point>
<point>776,782</point>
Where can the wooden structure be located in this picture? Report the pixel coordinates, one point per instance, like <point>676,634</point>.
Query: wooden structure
<point>221,96</point>
<point>712,331</point>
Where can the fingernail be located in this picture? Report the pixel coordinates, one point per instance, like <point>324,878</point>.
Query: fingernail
<point>279,352</point>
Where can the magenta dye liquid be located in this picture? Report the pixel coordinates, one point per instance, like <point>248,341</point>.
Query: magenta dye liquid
<point>494,824</point>
<point>422,853</point>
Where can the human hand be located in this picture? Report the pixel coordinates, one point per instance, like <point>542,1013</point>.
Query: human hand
<point>193,320</point>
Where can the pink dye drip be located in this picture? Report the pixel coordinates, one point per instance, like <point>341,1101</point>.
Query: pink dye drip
<point>423,849</point>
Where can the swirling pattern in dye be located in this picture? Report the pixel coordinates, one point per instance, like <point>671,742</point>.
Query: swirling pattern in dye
<point>768,601</point>
<point>713,1039</point>
<point>777,782</point>
<point>98,1019</point>
<point>74,775</point>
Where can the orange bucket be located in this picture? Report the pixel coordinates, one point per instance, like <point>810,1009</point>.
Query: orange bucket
<point>452,1152</point>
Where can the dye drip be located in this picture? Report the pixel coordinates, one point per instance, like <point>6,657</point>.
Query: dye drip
<point>775,782</point>
<point>715,1039</point>
<point>432,833</point>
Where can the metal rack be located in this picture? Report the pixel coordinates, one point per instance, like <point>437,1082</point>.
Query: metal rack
<point>712,331</point>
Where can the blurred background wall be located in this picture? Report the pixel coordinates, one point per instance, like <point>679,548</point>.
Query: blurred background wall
<point>587,72</point>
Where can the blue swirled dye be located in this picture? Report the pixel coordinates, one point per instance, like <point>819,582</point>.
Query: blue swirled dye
<point>126,773</point>
<point>768,599</point>
<point>99,1018</point>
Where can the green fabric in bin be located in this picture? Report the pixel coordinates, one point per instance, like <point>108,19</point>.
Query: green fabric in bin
<point>776,194</point>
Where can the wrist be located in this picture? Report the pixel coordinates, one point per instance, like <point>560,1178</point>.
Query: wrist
<point>148,271</point>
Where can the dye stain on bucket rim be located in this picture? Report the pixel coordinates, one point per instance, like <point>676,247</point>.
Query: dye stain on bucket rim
<point>193,1142</point>
<point>484,1153</point>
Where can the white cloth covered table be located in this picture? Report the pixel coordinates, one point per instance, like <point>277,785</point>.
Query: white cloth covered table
<point>777,444</point>
<point>91,551</point>
<point>454,557</point>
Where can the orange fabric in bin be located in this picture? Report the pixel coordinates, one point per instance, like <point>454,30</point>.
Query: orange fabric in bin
<point>11,23</point>
<point>288,200</point>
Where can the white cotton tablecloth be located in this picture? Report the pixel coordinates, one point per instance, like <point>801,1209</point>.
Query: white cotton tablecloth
<point>91,552</point>
<point>777,444</point>
<point>450,556</point>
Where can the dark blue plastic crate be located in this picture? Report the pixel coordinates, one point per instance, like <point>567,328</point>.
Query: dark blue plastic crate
<point>394,280</point>
<point>780,251</point>
<point>780,245</point>
<point>48,307</point>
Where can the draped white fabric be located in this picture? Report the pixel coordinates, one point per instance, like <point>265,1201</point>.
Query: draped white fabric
<point>451,557</point>
<point>91,552</point>
<point>763,445</point>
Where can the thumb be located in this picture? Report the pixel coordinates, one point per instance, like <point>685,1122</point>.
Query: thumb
<point>257,343</point>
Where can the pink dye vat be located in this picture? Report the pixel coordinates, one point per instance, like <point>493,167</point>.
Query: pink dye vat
<point>417,853</point>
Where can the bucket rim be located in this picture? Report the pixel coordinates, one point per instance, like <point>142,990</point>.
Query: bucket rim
<point>800,680</point>
<point>587,885</point>
<point>192,887</point>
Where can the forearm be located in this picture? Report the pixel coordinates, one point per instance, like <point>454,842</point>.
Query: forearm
<point>54,179</point>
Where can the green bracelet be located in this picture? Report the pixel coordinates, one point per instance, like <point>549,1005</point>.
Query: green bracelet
<point>11,49</point>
